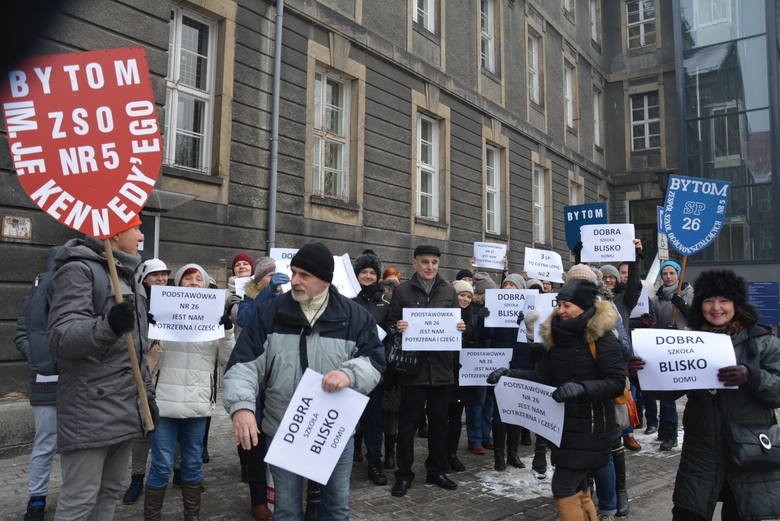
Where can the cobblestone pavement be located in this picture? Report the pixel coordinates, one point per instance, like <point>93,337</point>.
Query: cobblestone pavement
<point>483,494</point>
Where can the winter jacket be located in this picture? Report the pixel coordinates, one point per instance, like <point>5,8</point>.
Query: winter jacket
<point>186,386</point>
<point>664,307</point>
<point>436,367</point>
<point>41,393</point>
<point>589,427</point>
<point>267,353</point>
<point>97,402</point>
<point>376,301</point>
<point>703,466</point>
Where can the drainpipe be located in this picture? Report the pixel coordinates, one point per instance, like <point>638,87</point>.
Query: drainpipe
<point>273,173</point>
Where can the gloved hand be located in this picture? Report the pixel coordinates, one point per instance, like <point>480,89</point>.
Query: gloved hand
<point>277,279</point>
<point>155,412</point>
<point>520,318</point>
<point>481,312</point>
<point>635,364</point>
<point>647,320</point>
<point>493,377</point>
<point>226,321</point>
<point>530,322</point>
<point>734,375</point>
<point>150,319</point>
<point>569,392</point>
<point>121,317</point>
<point>577,251</point>
<point>678,301</point>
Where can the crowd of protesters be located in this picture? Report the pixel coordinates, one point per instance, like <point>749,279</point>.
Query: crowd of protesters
<point>272,336</point>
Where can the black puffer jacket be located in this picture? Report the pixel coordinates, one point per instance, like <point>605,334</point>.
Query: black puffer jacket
<point>375,300</point>
<point>589,425</point>
<point>436,367</point>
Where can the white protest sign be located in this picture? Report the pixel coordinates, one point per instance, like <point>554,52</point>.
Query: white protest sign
<point>315,429</point>
<point>186,314</point>
<point>240,284</point>
<point>608,243</point>
<point>505,304</point>
<point>489,255</point>
<point>344,276</point>
<point>681,360</point>
<point>545,304</point>
<point>477,363</point>
<point>283,256</point>
<point>543,265</point>
<point>528,404</point>
<point>431,329</point>
<point>643,304</point>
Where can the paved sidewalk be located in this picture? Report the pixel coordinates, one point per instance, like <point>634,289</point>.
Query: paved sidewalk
<point>483,494</point>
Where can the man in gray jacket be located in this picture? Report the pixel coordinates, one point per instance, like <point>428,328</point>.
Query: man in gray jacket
<point>310,326</point>
<point>97,404</point>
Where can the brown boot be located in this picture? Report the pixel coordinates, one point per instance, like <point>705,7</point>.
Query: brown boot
<point>588,508</point>
<point>190,494</point>
<point>570,508</point>
<point>153,502</point>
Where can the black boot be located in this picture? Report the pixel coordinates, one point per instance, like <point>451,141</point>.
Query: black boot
<point>36,508</point>
<point>525,436</point>
<point>375,474</point>
<point>134,490</point>
<point>668,436</point>
<point>390,440</point>
<point>313,499</point>
<point>500,459</point>
<point>619,460</point>
<point>539,463</point>
<point>513,435</point>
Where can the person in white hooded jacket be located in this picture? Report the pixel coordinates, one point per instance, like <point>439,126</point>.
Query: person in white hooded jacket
<point>186,392</point>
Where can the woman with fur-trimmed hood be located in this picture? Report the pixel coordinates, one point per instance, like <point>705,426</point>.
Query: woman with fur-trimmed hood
<point>585,385</point>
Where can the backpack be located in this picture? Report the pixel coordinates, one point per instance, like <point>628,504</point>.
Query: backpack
<point>35,310</point>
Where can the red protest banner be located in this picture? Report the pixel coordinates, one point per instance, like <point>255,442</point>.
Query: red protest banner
<point>84,135</point>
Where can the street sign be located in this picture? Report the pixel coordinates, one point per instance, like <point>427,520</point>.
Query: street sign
<point>694,211</point>
<point>765,297</point>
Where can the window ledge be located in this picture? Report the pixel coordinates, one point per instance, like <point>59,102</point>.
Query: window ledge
<point>174,171</point>
<point>334,203</point>
<point>430,222</point>
<point>425,33</point>
<point>571,130</point>
<point>536,106</point>
<point>495,76</point>
<point>598,149</point>
<point>497,236</point>
<point>596,45</point>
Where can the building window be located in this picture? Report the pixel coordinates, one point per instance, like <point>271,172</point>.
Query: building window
<point>726,135</point>
<point>539,189</point>
<point>576,191</point>
<point>488,35</point>
<point>427,168</point>
<point>593,7</point>
<point>568,7</point>
<point>597,118</point>
<point>492,190</point>
<point>645,122</point>
<point>330,153</point>
<point>190,91</point>
<point>568,93</point>
<point>534,72</point>
<point>640,21</point>
<point>711,12</point>
<point>425,14</point>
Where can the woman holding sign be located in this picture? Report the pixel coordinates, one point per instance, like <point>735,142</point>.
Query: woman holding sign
<point>185,397</point>
<point>719,422</point>
<point>585,385</point>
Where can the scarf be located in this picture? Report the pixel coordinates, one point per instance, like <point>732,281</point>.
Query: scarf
<point>315,307</point>
<point>731,328</point>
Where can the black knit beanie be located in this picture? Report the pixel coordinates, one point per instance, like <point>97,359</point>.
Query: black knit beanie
<point>315,258</point>
<point>368,259</point>
<point>580,292</point>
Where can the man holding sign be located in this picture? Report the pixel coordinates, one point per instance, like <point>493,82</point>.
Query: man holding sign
<point>432,383</point>
<point>97,407</point>
<point>310,326</point>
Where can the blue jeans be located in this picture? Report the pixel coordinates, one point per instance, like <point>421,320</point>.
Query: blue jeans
<point>188,432</point>
<point>479,420</point>
<point>288,491</point>
<point>604,479</point>
<point>43,449</point>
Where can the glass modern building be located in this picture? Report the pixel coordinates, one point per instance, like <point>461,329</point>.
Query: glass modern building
<point>727,92</point>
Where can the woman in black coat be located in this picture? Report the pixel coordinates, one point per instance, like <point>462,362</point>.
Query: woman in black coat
<point>585,385</point>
